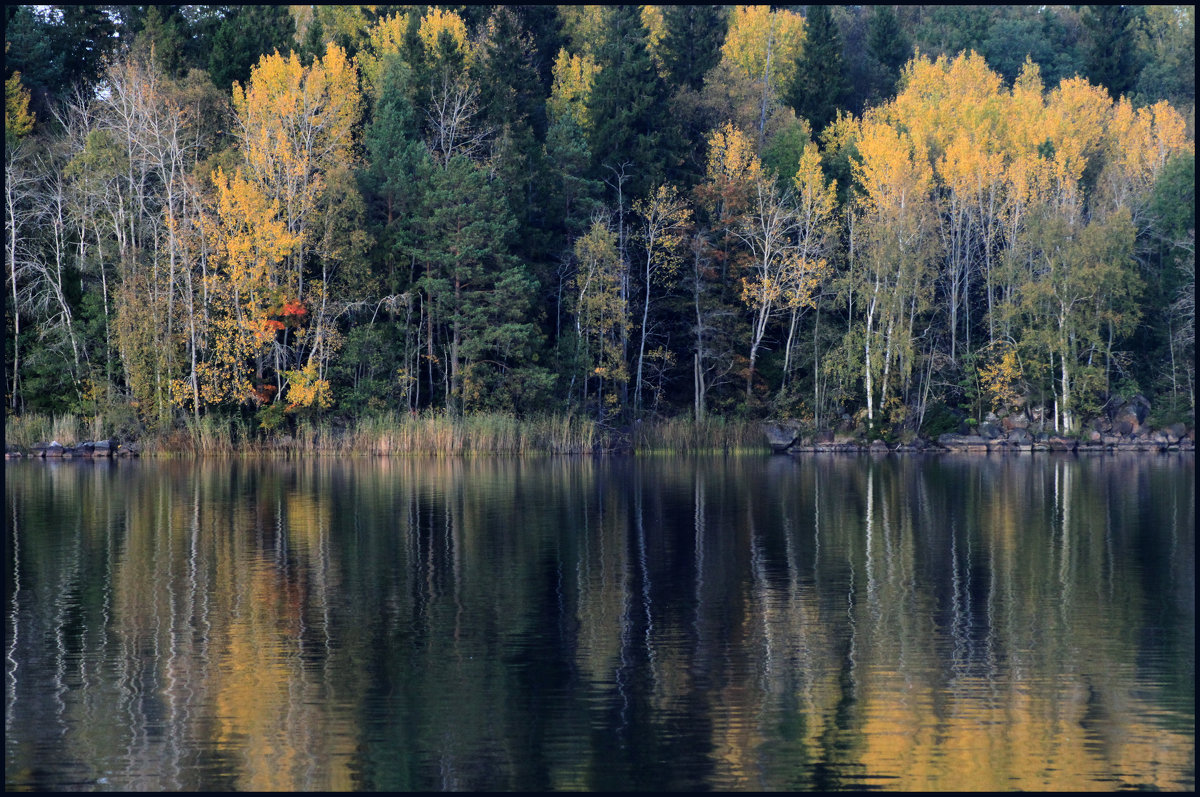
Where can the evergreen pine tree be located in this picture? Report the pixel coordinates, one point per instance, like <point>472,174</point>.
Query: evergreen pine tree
<point>161,35</point>
<point>820,84</point>
<point>481,296</point>
<point>398,168</point>
<point>245,35</point>
<point>1111,55</point>
<point>692,43</point>
<point>513,106</point>
<point>631,126</point>
<point>889,47</point>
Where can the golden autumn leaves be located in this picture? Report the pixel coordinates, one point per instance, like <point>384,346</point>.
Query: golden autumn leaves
<point>296,125</point>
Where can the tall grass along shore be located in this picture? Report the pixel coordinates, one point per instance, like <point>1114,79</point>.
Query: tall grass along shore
<point>402,433</point>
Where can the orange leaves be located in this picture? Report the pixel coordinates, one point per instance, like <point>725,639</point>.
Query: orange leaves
<point>250,232</point>
<point>894,171</point>
<point>949,97</point>
<point>251,241</point>
<point>1140,142</point>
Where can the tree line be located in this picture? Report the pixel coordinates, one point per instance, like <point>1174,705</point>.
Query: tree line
<point>866,214</point>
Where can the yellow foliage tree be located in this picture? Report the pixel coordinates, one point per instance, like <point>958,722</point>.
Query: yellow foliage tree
<point>1000,375</point>
<point>816,205</point>
<point>18,120</point>
<point>437,22</point>
<point>306,389</point>
<point>765,43</point>
<point>1139,144</point>
<point>572,87</point>
<point>298,126</point>
<point>601,316</point>
<point>250,241</point>
<point>893,282</point>
<point>384,38</point>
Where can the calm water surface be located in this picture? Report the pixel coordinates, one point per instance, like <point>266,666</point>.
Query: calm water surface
<point>569,623</point>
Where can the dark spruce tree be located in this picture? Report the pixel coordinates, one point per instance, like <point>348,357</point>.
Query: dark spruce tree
<point>164,34</point>
<point>820,85</point>
<point>545,28</point>
<point>245,35</point>
<point>398,167</point>
<point>1111,59</point>
<point>481,297</point>
<point>692,43</point>
<point>631,127</point>
<point>889,48</point>
<point>513,106</point>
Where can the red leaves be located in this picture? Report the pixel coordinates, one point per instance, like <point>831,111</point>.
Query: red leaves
<point>288,314</point>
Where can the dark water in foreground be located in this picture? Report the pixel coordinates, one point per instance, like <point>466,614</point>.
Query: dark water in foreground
<point>654,623</point>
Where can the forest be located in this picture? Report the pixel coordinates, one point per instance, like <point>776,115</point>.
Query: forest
<point>886,218</point>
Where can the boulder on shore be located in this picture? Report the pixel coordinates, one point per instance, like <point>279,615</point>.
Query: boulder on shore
<point>780,436</point>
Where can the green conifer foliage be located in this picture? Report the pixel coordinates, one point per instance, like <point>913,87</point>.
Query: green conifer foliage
<point>1111,56</point>
<point>628,107</point>
<point>889,46</point>
<point>692,43</point>
<point>820,85</point>
<point>246,34</point>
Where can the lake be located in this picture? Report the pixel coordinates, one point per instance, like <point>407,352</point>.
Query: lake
<point>609,623</point>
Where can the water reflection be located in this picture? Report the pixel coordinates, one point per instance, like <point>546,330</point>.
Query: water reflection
<point>660,623</point>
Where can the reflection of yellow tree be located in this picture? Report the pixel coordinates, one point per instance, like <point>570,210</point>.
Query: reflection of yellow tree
<point>274,714</point>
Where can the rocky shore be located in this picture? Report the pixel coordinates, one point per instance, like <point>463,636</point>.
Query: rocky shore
<point>1123,427</point>
<point>90,449</point>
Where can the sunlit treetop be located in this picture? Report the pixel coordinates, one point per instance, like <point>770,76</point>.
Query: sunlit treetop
<point>438,22</point>
<point>755,32</point>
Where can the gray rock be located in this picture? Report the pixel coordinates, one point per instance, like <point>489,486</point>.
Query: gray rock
<point>990,431</point>
<point>962,442</point>
<point>1063,443</point>
<point>1020,437</point>
<point>779,436</point>
<point>55,449</point>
